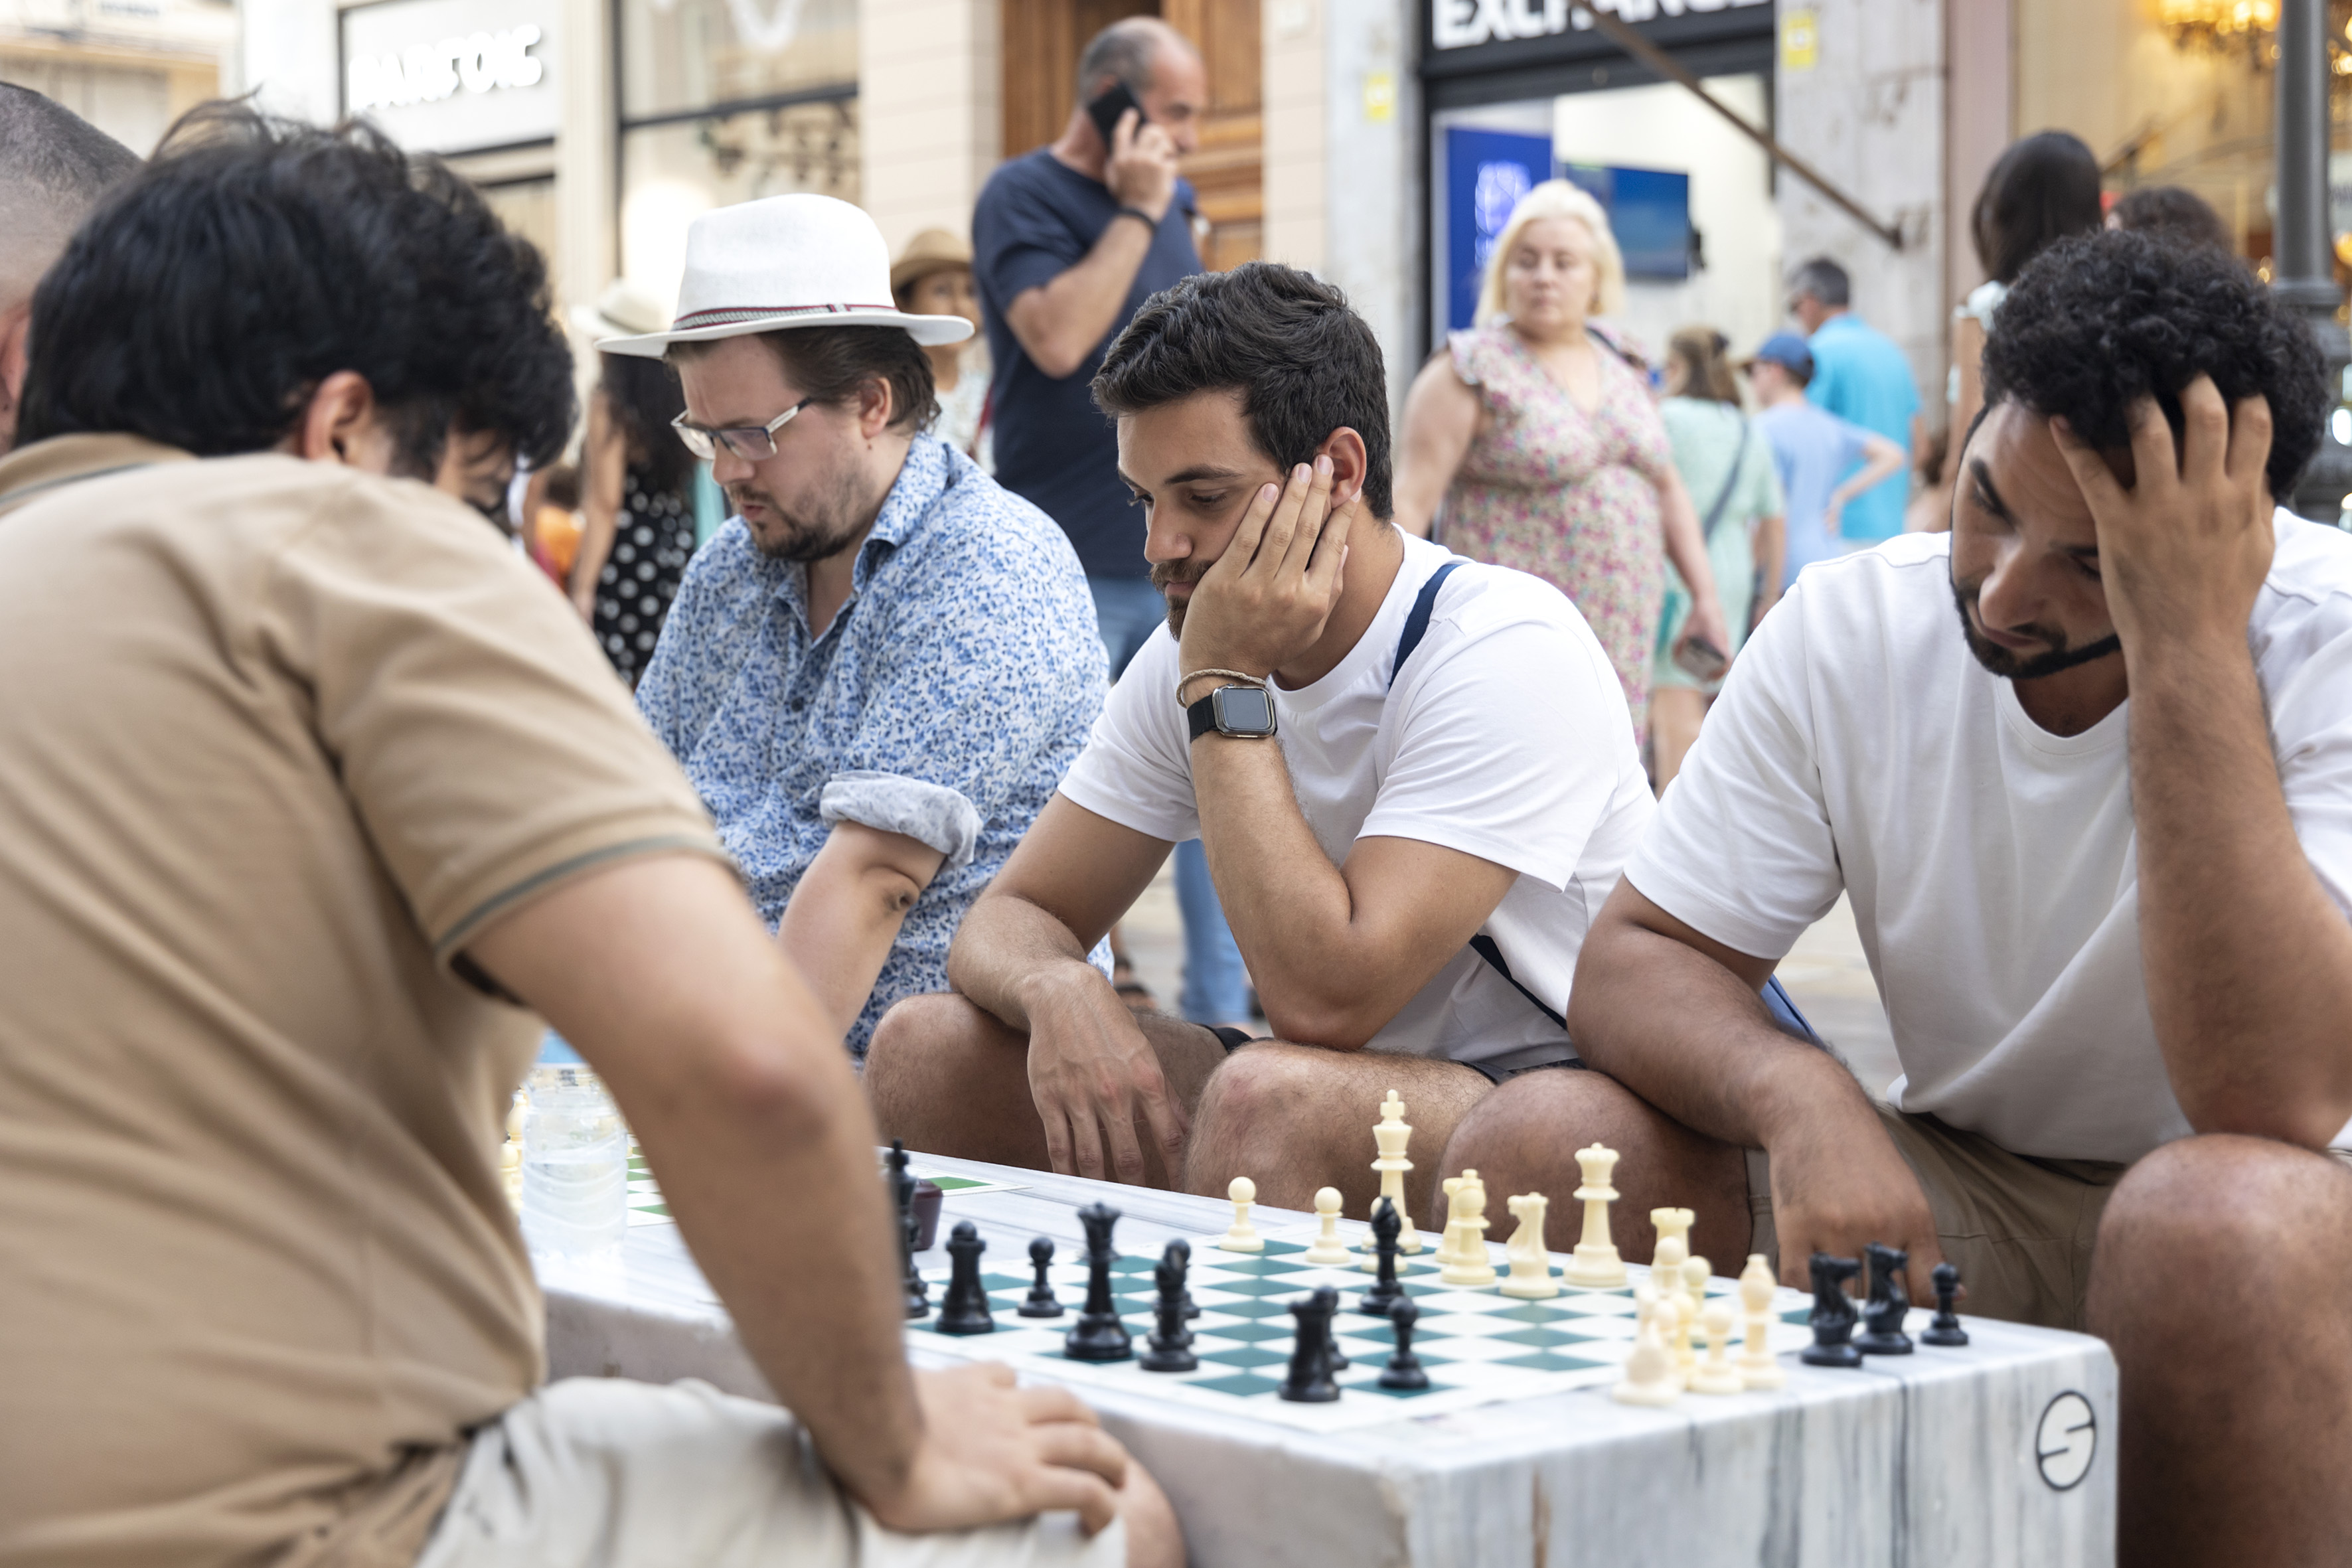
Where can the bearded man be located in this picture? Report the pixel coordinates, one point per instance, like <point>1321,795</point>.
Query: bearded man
<point>876,672</point>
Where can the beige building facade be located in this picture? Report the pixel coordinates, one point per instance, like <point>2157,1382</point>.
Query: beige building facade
<point>128,67</point>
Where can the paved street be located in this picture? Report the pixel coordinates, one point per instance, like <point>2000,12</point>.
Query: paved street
<point>1825,972</point>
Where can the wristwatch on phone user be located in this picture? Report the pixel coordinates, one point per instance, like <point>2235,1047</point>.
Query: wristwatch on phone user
<point>1246,712</point>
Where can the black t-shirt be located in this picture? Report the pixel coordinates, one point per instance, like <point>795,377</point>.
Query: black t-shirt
<point>1036,219</point>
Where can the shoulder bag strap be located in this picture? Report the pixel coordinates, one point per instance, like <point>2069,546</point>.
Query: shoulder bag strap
<point>1730,483</point>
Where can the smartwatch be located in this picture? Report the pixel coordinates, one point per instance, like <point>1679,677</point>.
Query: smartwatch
<point>1244,711</point>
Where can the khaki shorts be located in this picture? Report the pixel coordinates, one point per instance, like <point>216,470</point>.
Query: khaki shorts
<point>616,1474</point>
<point>2020,1230</point>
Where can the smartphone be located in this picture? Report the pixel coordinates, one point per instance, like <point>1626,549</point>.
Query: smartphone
<point>1701,659</point>
<point>1105,111</point>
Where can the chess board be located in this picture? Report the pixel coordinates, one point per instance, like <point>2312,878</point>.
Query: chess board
<point>648,1207</point>
<point>1478,1346</point>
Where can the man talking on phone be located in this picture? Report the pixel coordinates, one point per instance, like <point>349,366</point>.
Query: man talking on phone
<point>1068,242</point>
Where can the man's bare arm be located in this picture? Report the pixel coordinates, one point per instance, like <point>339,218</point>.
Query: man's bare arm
<point>1441,420</point>
<point>1678,1018</point>
<point>660,972</point>
<point>2249,963</point>
<point>1058,323</point>
<point>846,912</point>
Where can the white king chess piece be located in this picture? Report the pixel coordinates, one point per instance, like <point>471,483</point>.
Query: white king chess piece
<point>1595,1265</point>
<point>1392,1134</point>
<point>1531,1279</point>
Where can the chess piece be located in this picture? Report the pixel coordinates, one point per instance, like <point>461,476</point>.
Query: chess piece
<point>1444,1255</point>
<point>1889,1303</point>
<point>1715,1374</point>
<point>1595,1265</point>
<point>902,1194</point>
<point>1673,1248</point>
<point>1946,1330</point>
<point>1183,1249</point>
<point>1098,1335</point>
<point>1040,1301</point>
<point>1309,1380</point>
<point>1242,1235</point>
<point>1382,1299</point>
<point>1466,1224</point>
<point>1833,1316</point>
<point>1392,1135</point>
<point>964,1309</point>
<point>1690,1300</point>
<point>1650,1371</point>
<point>1334,1357</point>
<point>1531,1277</point>
<point>1757,1369</point>
<point>1404,1369</point>
<point>1170,1346</point>
<point>1327,1251</point>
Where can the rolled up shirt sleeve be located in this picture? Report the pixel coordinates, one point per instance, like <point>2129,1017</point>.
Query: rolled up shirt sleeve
<point>928,813</point>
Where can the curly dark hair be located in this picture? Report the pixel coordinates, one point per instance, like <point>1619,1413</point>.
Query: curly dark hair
<point>2099,321</point>
<point>1304,362</point>
<point>644,396</point>
<point>252,258</point>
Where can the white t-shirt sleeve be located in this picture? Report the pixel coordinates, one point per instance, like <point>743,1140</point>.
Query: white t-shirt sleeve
<point>1509,742</point>
<point>1136,768</point>
<point>1740,850</point>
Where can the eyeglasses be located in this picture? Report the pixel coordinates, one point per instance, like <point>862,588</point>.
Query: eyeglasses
<point>752,443</point>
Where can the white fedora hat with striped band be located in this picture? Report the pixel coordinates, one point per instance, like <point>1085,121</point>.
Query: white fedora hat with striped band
<point>781,262</point>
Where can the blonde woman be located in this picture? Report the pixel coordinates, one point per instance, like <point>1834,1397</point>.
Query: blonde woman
<point>1545,449</point>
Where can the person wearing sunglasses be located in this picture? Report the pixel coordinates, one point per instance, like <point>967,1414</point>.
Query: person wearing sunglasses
<point>878,672</point>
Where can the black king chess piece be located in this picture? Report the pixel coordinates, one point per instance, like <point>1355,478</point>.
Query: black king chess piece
<point>1946,1330</point>
<point>902,1194</point>
<point>964,1309</point>
<point>1308,1381</point>
<point>1404,1371</point>
<point>1040,1301</point>
<point>1888,1302</point>
<point>1381,1300</point>
<point>1171,1342</point>
<point>1833,1315</point>
<point>1098,1335</point>
<point>1183,1251</point>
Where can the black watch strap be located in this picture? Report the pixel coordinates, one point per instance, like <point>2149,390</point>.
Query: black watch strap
<point>1203,715</point>
<point>1148,220</point>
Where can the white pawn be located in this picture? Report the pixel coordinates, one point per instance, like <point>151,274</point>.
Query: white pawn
<point>1666,1263</point>
<point>1467,1226</point>
<point>1757,1369</point>
<point>1242,1235</point>
<point>1327,1250</point>
<point>1696,1273</point>
<point>1531,1277</point>
<point>1650,1370</point>
<point>1715,1374</point>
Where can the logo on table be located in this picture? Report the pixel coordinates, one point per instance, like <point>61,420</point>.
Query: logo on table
<point>2066,1441</point>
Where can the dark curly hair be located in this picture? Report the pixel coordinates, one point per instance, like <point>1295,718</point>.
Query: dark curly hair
<point>2099,321</point>
<point>208,295</point>
<point>1305,364</point>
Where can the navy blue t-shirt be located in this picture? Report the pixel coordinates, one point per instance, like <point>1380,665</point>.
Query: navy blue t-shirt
<point>1038,218</point>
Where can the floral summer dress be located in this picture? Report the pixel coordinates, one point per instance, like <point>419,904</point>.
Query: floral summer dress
<point>1569,496</point>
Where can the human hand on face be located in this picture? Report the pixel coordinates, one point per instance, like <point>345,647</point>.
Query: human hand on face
<point>1267,597</point>
<point>2184,550</point>
<point>1141,169</point>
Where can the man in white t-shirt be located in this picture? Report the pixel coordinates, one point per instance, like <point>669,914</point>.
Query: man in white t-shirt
<point>2111,938</point>
<point>1414,778</point>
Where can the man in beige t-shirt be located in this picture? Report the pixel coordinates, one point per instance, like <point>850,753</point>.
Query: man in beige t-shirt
<point>308,777</point>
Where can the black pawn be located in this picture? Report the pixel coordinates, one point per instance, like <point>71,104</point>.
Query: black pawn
<point>1040,1302</point>
<point>1381,1300</point>
<point>1308,1381</point>
<point>964,1309</point>
<point>1404,1367</point>
<point>1183,1249</point>
<point>1889,1303</point>
<point>1333,1356</point>
<point>1833,1316</point>
<point>1171,1342</point>
<point>1098,1335</point>
<point>902,1194</point>
<point>1946,1330</point>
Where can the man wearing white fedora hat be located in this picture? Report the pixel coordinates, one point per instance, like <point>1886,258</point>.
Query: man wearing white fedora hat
<point>879,670</point>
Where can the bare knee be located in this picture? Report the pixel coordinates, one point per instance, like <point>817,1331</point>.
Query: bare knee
<point>1257,1093</point>
<point>927,1046</point>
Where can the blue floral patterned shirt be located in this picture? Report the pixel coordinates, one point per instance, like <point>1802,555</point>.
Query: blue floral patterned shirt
<point>945,701</point>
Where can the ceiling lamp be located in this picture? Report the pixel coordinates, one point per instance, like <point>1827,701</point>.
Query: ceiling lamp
<point>2215,25</point>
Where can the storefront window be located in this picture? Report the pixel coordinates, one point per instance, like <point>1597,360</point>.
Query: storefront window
<point>725,101</point>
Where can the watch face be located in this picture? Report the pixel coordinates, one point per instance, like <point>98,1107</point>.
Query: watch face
<point>1244,711</point>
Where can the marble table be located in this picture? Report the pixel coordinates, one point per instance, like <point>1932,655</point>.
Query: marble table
<point>2003,1453</point>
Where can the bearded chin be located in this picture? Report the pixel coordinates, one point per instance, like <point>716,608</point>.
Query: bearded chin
<point>2000,661</point>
